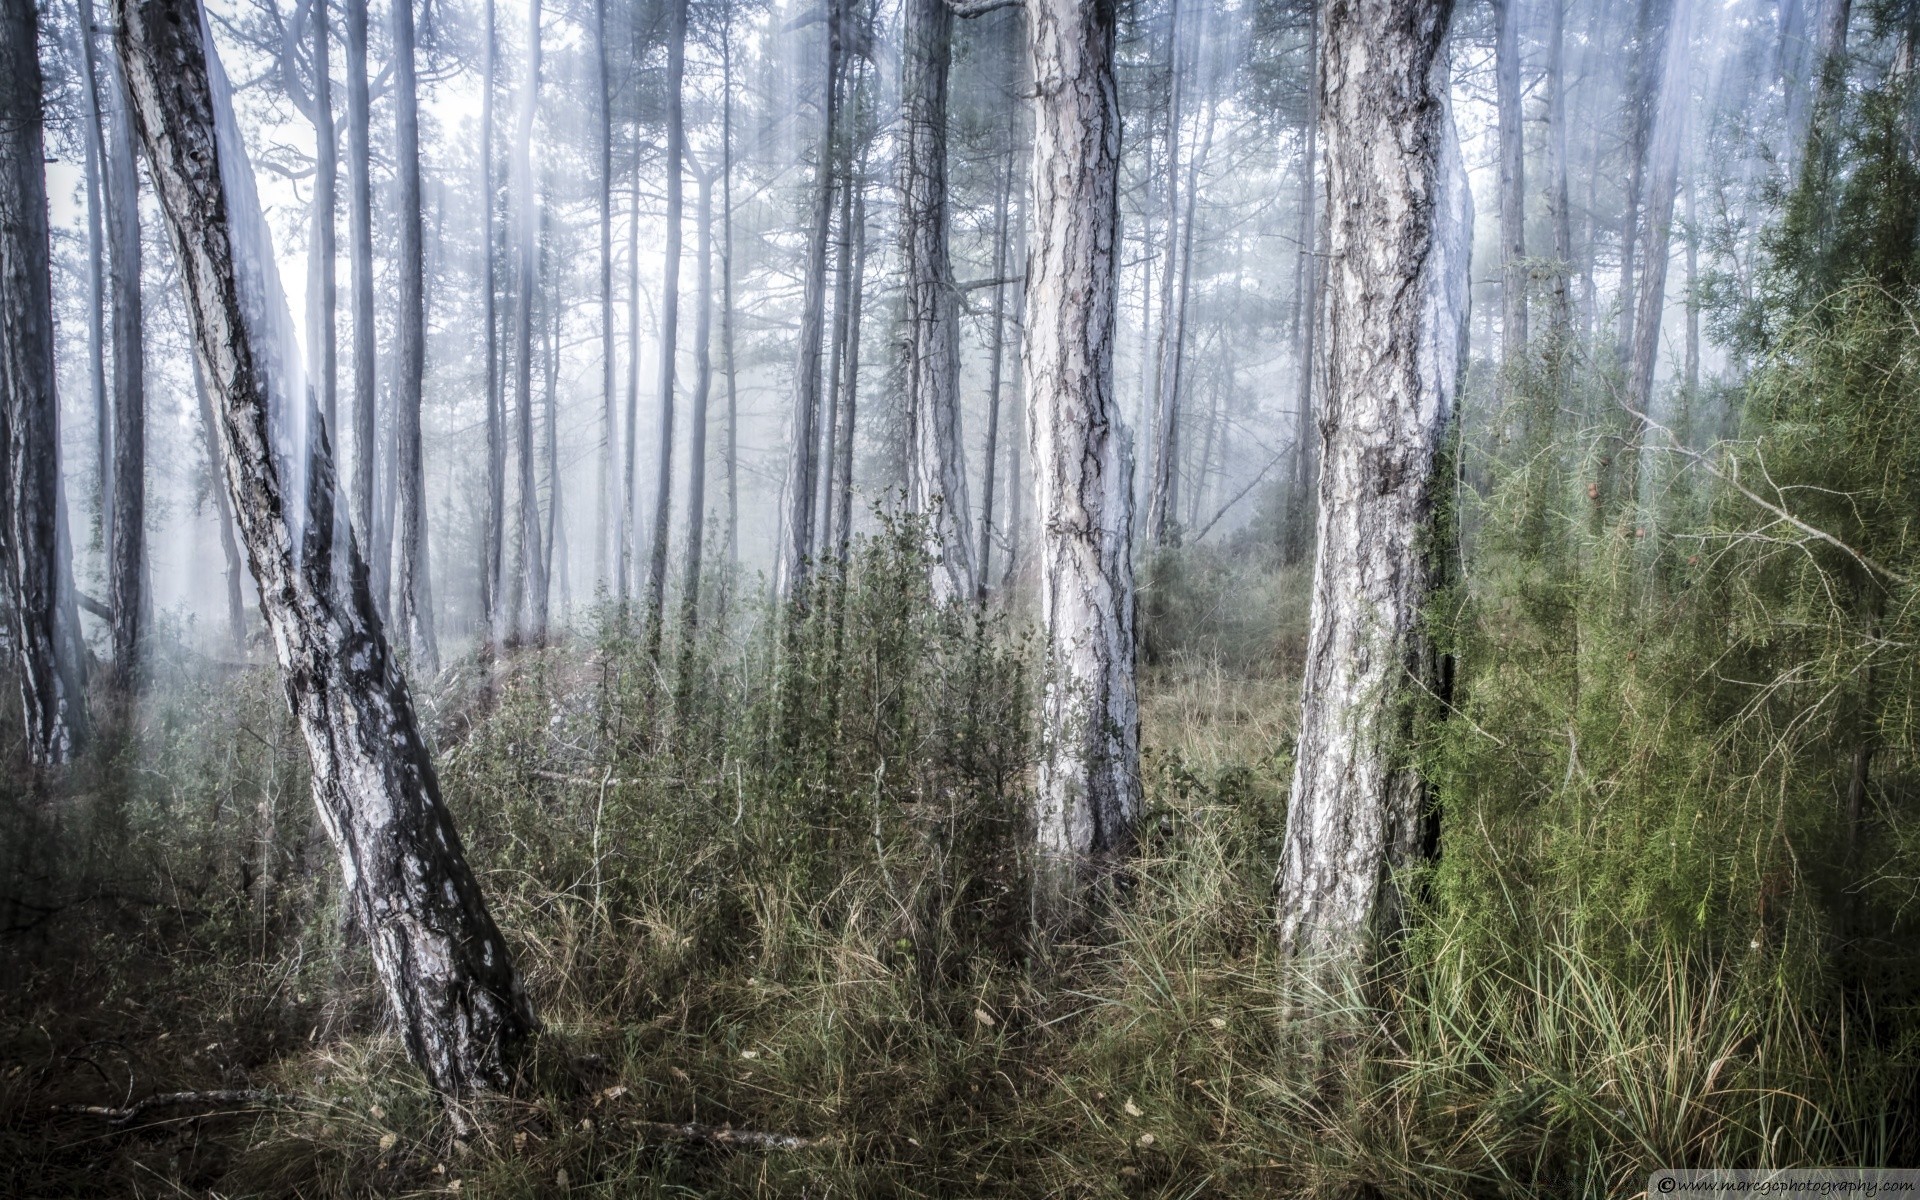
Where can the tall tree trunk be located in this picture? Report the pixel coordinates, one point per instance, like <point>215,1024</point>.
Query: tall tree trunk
<point>939,478</point>
<point>1021,415</point>
<point>413,608</point>
<point>1669,133</point>
<point>726,292</point>
<point>849,388</point>
<point>1160,473</point>
<point>128,547</point>
<point>625,517</point>
<point>802,470</point>
<point>95,157</point>
<point>493,555</point>
<point>1311,273</point>
<point>1557,202</point>
<point>532,622</point>
<point>1400,215</point>
<point>697,416</point>
<point>1087,792</point>
<point>1690,364</point>
<point>609,416</point>
<point>996,349</point>
<point>669,326</point>
<point>458,1000</point>
<point>366,432</point>
<point>1640,101</point>
<point>46,636</point>
<point>1173,342</point>
<point>836,360</point>
<point>1513,180</point>
<point>326,188</point>
<point>550,379</point>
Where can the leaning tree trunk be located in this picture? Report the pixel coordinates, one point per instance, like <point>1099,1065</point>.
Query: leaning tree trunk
<point>1087,788</point>
<point>127,550</point>
<point>45,627</point>
<point>669,329</point>
<point>533,577</point>
<point>1398,210</point>
<point>413,605</point>
<point>459,1001</point>
<point>933,331</point>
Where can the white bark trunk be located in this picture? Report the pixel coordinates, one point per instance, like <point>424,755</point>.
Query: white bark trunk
<point>1087,787</point>
<point>1399,220</point>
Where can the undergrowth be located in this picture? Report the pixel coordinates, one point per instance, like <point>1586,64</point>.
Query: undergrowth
<point>777,883</point>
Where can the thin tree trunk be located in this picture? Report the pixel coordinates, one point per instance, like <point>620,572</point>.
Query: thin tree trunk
<point>1400,215</point>
<point>493,556</point>
<point>458,1000</point>
<point>326,188</point>
<point>697,416</point>
<point>414,602</point>
<point>1640,103</point>
<point>669,326</point>
<point>532,622</point>
<point>625,518</point>
<point>1021,416</point>
<point>1513,180</point>
<point>836,362</point>
<point>726,293</point>
<point>128,546</point>
<point>1173,340</point>
<point>1669,134</point>
<point>939,492</point>
<point>550,379</point>
<point>360,234</point>
<point>1310,275</point>
<point>1087,792</point>
<point>46,636</point>
<point>223,515</point>
<point>1557,202</point>
<point>1690,368</point>
<point>995,354</point>
<point>849,412</point>
<point>609,416</point>
<point>802,471</point>
<point>1160,475</point>
<point>94,141</point>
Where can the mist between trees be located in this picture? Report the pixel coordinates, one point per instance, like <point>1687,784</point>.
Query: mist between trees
<point>957,597</point>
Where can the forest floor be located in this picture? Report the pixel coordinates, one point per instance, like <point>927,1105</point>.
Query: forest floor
<point>734,921</point>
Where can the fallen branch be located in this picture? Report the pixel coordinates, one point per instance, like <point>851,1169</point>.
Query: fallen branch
<point>725,1135</point>
<point>125,1116</point>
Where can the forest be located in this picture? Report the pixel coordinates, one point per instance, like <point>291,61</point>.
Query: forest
<point>957,598</point>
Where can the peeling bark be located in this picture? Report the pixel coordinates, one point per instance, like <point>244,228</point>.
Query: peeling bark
<point>459,1002</point>
<point>1399,219</point>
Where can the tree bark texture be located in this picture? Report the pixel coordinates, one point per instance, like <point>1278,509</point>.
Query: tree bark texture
<point>94,141</point>
<point>45,625</point>
<point>932,341</point>
<point>459,1001</point>
<point>1309,284</point>
<point>1088,791</point>
<point>1399,220</point>
<point>413,607</point>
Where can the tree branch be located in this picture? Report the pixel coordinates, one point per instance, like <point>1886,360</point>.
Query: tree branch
<point>965,9</point>
<point>124,1116</point>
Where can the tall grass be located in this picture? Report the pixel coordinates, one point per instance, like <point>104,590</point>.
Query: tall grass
<point>787,892</point>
